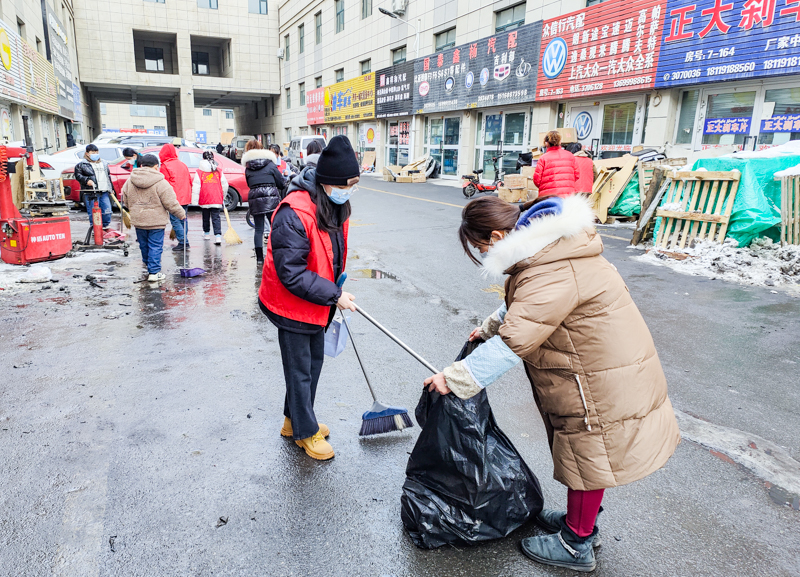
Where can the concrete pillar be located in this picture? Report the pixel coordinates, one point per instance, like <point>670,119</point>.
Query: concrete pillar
<point>185,110</point>
<point>661,115</point>
<point>466,143</point>
<point>97,121</point>
<point>16,123</point>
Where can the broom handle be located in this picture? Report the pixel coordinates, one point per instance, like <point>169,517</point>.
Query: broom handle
<point>185,216</point>
<point>355,349</point>
<point>386,331</point>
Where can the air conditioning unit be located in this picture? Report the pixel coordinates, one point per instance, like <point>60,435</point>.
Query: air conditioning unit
<point>399,7</point>
<point>281,53</point>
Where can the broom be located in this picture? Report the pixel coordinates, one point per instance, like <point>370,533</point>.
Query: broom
<point>380,418</point>
<point>230,235</point>
<point>126,217</point>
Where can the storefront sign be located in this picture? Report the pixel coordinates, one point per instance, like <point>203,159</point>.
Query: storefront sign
<point>717,40</point>
<point>393,96</point>
<point>783,123</point>
<point>200,134</point>
<point>368,134</point>
<point>493,71</point>
<point>40,80</point>
<point>315,106</point>
<point>59,56</point>
<point>350,100</point>
<point>611,47</point>
<point>11,82</point>
<point>727,126</point>
<point>76,95</point>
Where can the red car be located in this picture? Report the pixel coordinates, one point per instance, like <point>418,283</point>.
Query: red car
<point>121,169</point>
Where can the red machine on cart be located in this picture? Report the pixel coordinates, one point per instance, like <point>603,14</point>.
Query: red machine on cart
<point>23,239</point>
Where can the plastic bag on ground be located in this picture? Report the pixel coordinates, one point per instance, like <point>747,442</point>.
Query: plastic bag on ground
<point>37,274</point>
<point>629,202</point>
<point>465,481</point>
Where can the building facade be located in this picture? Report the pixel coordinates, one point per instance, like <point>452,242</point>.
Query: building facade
<point>40,96</point>
<point>463,80</point>
<point>213,124</point>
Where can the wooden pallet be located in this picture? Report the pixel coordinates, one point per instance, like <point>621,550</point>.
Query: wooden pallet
<point>706,199</point>
<point>790,210</point>
<point>655,192</point>
<point>646,172</point>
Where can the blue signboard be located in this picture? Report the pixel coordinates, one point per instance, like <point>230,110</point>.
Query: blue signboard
<point>717,40</point>
<point>200,137</point>
<point>727,126</point>
<point>782,123</point>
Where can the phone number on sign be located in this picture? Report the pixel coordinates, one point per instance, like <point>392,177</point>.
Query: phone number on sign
<point>683,74</point>
<point>633,81</point>
<point>586,87</point>
<point>781,62</point>
<point>731,69</point>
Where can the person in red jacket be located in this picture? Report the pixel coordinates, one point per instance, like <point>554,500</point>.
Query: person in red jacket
<point>177,175</point>
<point>306,254</point>
<point>586,168</point>
<point>556,172</point>
<point>209,188</point>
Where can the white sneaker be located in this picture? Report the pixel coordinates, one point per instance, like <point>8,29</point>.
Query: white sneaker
<point>218,239</point>
<point>207,236</point>
<point>157,277</point>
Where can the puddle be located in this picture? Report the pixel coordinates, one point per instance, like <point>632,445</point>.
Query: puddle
<point>372,273</point>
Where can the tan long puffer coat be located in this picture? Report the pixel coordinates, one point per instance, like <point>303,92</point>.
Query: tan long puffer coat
<point>596,376</point>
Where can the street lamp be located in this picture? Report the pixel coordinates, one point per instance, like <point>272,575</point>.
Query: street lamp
<point>416,30</point>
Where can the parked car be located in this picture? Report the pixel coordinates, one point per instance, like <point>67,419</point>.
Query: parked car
<point>298,145</point>
<point>106,136</point>
<point>141,140</point>
<point>237,146</point>
<point>52,165</point>
<point>121,170</point>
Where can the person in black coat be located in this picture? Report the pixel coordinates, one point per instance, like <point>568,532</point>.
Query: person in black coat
<point>265,182</point>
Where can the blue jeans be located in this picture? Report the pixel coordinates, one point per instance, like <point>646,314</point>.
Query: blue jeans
<point>177,226</point>
<point>105,206</point>
<point>151,243</point>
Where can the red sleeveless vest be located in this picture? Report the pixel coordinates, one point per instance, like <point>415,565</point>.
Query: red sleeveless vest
<point>210,188</point>
<point>320,260</point>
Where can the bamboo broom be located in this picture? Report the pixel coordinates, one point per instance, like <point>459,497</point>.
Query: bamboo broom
<point>230,235</point>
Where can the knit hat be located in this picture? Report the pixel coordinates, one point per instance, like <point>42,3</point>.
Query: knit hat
<point>337,163</point>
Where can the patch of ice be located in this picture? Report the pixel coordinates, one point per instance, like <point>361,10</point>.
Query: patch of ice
<point>763,263</point>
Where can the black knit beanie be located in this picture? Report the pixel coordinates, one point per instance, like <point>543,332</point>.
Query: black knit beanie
<point>337,163</point>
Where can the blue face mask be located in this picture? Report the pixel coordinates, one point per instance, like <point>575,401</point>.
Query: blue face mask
<point>94,156</point>
<point>341,195</point>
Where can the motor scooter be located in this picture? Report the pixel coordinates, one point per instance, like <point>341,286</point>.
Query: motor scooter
<point>472,182</point>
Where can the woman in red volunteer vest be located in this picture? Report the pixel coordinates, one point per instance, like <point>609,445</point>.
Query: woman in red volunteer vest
<point>306,253</point>
<point>209,188</point>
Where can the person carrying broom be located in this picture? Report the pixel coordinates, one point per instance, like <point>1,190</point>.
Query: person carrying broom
<point>306,253</point>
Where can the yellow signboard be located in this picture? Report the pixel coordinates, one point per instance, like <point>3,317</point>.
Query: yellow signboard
<point>351,100</point>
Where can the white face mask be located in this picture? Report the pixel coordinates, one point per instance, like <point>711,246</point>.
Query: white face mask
<point>342,195</point>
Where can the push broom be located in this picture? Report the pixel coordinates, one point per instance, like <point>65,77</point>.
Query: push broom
<point>380,418</point>
<point>230,235</point>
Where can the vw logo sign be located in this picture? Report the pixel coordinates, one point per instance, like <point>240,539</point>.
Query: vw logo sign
<point>583,125</point>
<point>469,80</point>
<point>555,57</point>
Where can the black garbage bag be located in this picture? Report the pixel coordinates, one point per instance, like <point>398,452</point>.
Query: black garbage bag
<point>465,481</point>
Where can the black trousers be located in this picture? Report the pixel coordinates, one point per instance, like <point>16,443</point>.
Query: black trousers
<point>302,357</point>
<point>212,215</point>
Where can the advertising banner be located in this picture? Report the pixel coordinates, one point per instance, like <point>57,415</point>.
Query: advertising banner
<point>393,95</point>
<point>59,56</point>
<point>11,82</point>
<point>76,95</point>
<point>611,47</point>
<point>40,80</point>
<point>781,123</point>
<point>350,100</point>
<point>200,134</point>
<point>315,106</point>
<point>718,40</point>
<point>493,71</point>
<point>727,126</point>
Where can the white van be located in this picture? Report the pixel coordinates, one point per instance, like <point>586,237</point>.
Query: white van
<point>237,146</point>
<point>298,145</point>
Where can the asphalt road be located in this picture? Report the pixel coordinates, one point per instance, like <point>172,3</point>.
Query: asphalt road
<point>132,419</point>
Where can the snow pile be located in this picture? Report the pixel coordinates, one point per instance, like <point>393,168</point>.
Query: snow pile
<point>790,148</point>
<point>763,263</point>
<point>791,171</point>
<point>36,274</point>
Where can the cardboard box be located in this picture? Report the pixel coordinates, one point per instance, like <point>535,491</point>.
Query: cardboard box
<point>388,177</point>
<point>515,181</point>
<point>404,179</point>
<point>418,177</point>
<point>512,194</point>
<point>527,171</point>
<point>567,135</point>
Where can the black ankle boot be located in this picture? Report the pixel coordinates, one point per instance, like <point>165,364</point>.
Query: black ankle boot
<point>259,256</point>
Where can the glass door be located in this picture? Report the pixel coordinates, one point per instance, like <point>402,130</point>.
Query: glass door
<point>726,118</point>
<point>500,132</point>
<point>442,139</point>
<point>398,142</point>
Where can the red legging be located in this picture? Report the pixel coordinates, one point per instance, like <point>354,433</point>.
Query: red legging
<point>582,509</point>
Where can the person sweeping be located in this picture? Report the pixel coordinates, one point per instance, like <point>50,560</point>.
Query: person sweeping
<point>306,253</point>
<point>596,377</point>
<point>209,188</point>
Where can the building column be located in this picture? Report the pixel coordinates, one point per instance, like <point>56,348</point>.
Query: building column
<point>185,111</point>
<point>661,113</point>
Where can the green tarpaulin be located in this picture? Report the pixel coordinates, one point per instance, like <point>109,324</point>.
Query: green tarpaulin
<point>628,202</point>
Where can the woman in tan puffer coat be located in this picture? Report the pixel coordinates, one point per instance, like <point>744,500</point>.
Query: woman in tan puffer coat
<point>587,351</point>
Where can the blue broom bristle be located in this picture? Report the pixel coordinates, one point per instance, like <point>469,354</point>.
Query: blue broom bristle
<point>376,425</point>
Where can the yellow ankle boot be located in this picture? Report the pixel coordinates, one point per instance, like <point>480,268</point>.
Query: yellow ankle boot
<point>286,430</point>
<point>316,447</point>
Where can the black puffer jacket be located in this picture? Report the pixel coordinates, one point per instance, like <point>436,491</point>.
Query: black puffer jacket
<point>84,172</point>
<point>263,179</point>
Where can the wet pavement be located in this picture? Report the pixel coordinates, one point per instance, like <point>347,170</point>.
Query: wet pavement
<point>134,418</point>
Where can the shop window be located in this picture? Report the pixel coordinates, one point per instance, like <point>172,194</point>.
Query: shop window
<point>515,129</point>
<point>445,40</point>
<point>339,74</point>
<point>510,18</point>
<point>618,123</point>
<point>734,113</point>
<point>686,118</point>
<point>493,130</point>
<point>339,7</point>
<point>562,108</point>
<point>399,55</point>
<point>784,123</point>
<point>318,28</point>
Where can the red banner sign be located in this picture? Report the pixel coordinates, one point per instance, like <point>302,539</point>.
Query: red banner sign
<point>611,47</point>
<point>315,106</point>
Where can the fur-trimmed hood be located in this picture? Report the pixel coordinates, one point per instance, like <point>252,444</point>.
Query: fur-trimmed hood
<point>538,229</point>
<point>258,154</point>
